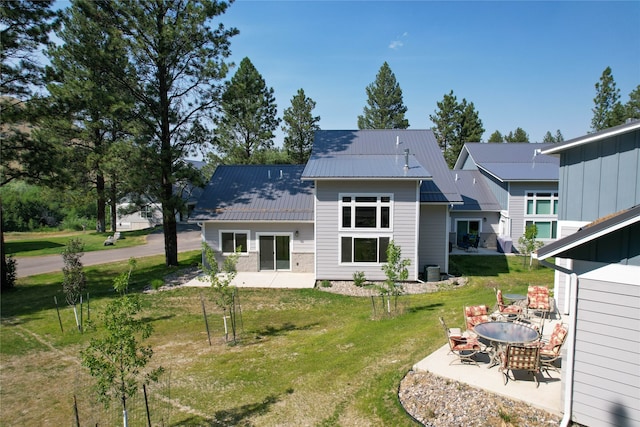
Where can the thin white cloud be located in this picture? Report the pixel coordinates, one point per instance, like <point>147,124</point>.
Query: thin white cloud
<point>397,43</point>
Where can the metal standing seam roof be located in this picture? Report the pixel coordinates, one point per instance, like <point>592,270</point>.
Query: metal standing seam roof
<point>592,137</point>
<point>379,154</point>
<point>476,194</point>
<point>256,193</point>
<point>515,161</point>
<point>592,231</point>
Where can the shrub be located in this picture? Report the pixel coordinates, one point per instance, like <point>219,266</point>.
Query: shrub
<point>359,279</point>
<point>325,284</point>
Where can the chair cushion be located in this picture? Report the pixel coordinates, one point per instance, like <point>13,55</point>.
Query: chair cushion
<point>461,344</point>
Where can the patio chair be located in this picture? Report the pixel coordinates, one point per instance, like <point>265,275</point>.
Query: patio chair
<point>475,314</point>
<point>550,350</point>
<point>465,348</point>
<point>520,358</point>
<point>508,311</point>
<point>538,301</point>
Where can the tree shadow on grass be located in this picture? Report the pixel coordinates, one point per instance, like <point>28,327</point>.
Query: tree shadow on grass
<point>235,416</point>
<point>272,331</point>
<point>16,247</point>
<point>427,307</point>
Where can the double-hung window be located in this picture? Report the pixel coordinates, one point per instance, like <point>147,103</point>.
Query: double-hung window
<point>233,241</point>
<point>542,210</point>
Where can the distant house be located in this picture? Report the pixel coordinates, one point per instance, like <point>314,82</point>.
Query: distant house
<point>505,187</point>
<point>336,215</point>
<point>597,280</point>
<point>136,215</point>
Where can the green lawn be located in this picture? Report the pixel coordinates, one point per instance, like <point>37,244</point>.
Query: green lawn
<point>305,357</point>
<point>53,243</point>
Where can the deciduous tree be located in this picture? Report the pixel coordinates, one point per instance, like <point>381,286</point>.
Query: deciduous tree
<point>385,108</point>
<point>118,360</point>
<point>248,120</point>
<point>300,126</point>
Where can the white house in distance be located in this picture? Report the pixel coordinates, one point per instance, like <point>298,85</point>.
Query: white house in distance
<point>597,280</point>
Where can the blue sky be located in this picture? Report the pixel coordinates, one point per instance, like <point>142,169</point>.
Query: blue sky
<point>523,64</point>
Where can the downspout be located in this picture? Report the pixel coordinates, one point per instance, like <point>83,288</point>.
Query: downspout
<point>571,344</point>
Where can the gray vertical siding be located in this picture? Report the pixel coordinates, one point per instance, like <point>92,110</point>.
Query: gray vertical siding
<point>600,178</point>
<point>517,205</point>
<point>433,237</point>
<point>404,213</point>
<point>606,375</point>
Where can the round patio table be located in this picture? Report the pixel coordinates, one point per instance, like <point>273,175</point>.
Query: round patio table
<point>500,333</point>
<point>514,297</point>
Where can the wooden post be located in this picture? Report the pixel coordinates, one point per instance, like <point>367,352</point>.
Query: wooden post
<point>58,311</point>
<point>146,404</point>
<point>206,322</point>
<point>75,410</point>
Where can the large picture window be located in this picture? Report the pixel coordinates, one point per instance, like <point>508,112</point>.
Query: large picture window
<point>365,211</point>
<point>234,241</point>
<point>363,249</point>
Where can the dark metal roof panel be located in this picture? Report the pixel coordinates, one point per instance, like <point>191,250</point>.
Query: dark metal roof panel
<point>475,193</point>
<point>366,166</point>
<point>593,137</point>
<point>515,161</point>
<point>256,193</point>
<point>422,145</point>
<point>523,171</point>
<point>590,232</point>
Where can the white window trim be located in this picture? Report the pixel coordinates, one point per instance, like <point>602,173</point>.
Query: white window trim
<point>479,220</point>
<point>537,219</point>
<point>378,204</point>
<point>220,232</point>
<point>553,198</point>
<point>360,236</point>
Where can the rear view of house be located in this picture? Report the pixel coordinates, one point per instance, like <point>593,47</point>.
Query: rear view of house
<point>337,214</point>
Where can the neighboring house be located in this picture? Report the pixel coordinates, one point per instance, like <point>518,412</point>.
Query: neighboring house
<point>336,215</point>
<point>265,212</point>
<point>479,214</point>
<point>524,184</point>
<point>597,285</point>
<point>131,217</point>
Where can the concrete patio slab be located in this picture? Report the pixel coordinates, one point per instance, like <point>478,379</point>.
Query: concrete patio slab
<point>265,279</point>
<point>548,396</point>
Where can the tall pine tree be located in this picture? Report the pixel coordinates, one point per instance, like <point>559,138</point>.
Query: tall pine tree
<point>178,55</point>
<point>248,120</point>
<point>24,27</point>
<point>607,111</point>
<point>89,112</point>
<point>300,126</point>
<point>385,108</point>
<point>455,124</point>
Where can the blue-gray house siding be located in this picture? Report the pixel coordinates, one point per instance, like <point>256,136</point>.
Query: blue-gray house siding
<point>600,178</point>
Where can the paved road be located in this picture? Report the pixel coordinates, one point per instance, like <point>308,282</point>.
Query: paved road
<point>188,240</point>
